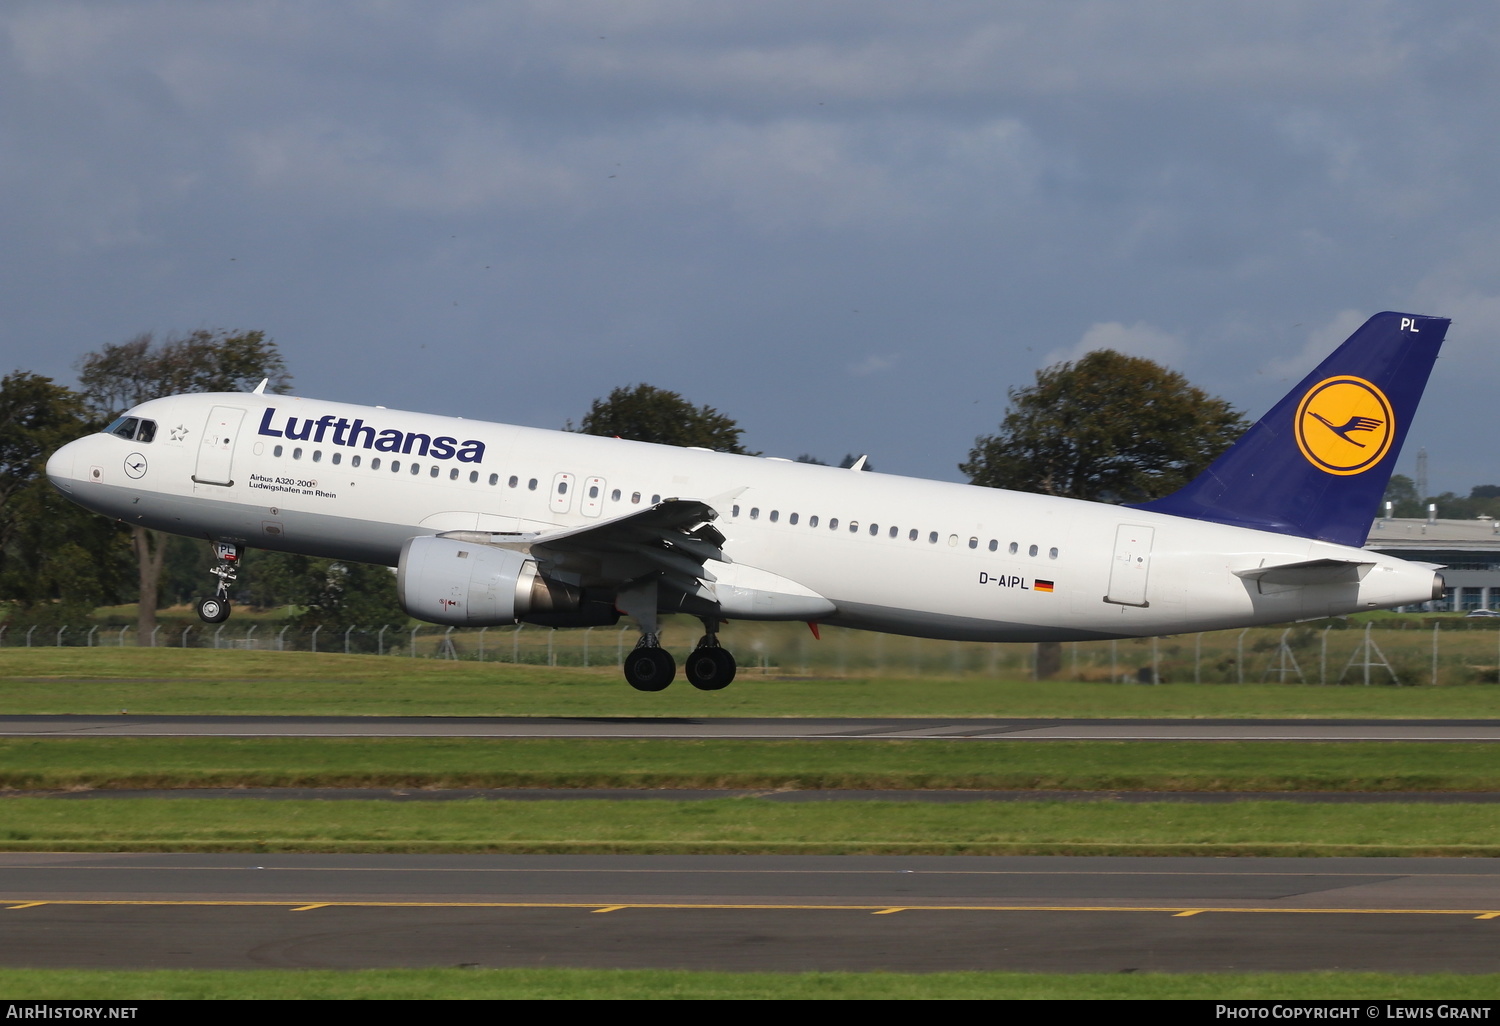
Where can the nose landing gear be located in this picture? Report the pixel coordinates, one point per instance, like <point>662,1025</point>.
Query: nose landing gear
<point>215,608</point>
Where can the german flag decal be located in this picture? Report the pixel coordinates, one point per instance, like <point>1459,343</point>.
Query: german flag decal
<point>1041,585</point>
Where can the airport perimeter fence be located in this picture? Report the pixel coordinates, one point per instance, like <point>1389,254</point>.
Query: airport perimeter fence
<point>1451,651</point>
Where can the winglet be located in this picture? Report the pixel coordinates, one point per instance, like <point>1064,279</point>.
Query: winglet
<point>859,464</point>
<point>260,389</point>
<point>1317,465</point>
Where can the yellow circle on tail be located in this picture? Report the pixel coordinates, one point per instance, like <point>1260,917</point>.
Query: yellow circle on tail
<point>1344,425</point>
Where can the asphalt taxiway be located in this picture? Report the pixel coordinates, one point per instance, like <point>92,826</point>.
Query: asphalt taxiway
<point>774,913</point>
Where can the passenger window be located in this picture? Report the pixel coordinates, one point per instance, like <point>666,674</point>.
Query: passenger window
<point>635,497</point>
<point>1031,551</point>
<point>655,499</point>
<point>932,538</point>
<point>994,544</point>
<point>1014,548</point>
<point>375,463</point>
<point>436,470</point>
<point>337,458</point>
<point>833,524</point>
<point>973,543</point>
<point>495,479</point>
<point>317,455</point>
<point>874,530</point>
<point>514,480</point>
<point>278,450</point>
<point>474,477</point>
<point>854,527</point>
<point>912,535</point>
<point>146,432</point>
<point>775,515</point>
<point>792,520</point>
<point>562,488</point>
<point>894,532</point>
<point>812,521</point>
<point>1052,553</point>
<point>593,491</point>
<point>614,496</point>
<point>531,485</point>
<point>754,512</point>
<point>452,474</point>
<point>416,468</point>
<point>297,453</point>
<point>354,460</point>
<point>395,466</point>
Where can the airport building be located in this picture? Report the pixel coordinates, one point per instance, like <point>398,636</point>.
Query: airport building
<point>1469,551</point>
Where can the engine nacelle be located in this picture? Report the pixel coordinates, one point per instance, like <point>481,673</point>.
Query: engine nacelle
<point>464,584</point>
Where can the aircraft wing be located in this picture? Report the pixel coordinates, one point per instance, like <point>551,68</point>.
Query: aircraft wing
<point>673,538</point>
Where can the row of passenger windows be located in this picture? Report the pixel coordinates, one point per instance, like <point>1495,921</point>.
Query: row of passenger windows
<point>415,468</point>
<point>774,516</point>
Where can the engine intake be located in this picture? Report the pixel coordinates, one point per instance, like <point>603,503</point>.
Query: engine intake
<point>464,584</point>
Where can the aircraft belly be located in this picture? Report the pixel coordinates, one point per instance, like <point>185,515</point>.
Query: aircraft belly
<point>313,534</point>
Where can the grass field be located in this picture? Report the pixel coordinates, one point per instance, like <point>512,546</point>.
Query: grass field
<point>626,984</point>
<point>88,762</point>
<point>164,681</point>
<point>748,826</point>
<point>224,682</point>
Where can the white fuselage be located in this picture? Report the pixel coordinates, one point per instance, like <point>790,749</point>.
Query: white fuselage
<point>892,554</point>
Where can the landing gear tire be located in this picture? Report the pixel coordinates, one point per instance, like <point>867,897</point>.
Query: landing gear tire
<point>213,610</point>
<point>649,669</point>
<point>710,669</point>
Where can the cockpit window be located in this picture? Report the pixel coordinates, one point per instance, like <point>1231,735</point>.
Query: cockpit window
<point>132,429</point>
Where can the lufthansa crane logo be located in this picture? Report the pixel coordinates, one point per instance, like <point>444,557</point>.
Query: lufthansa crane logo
<point>1344,425</point>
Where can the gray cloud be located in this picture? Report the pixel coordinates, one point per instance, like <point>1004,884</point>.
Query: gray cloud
<point>505,209</point>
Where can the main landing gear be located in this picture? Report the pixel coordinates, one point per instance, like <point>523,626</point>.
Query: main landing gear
<point>215,608</point>
<point>649,667</point>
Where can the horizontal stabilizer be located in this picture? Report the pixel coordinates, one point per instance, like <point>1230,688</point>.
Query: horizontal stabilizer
<point>1312,571</point>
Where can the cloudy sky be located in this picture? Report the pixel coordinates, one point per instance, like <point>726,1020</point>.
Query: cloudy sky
<point>852,226</point>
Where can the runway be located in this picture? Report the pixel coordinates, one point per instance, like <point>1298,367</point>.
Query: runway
<point>773,913</point>
<point>804,729</point>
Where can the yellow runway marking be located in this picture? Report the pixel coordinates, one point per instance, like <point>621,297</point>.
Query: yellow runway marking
<point>1173,910</point>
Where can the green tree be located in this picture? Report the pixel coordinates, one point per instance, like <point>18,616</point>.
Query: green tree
<point>644,413</point>
<point>1401,492</point>
<point>1111,428</point>
<point>118,377</point>
<point>57,560</point>
<point>326,592</point>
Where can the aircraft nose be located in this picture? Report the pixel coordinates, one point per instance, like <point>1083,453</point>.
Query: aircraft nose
<point>60,467</point>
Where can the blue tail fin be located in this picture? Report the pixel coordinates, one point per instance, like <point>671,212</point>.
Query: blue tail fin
<point>1317,465</point>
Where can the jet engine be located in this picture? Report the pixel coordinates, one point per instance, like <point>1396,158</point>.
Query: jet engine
<point>465,584</point>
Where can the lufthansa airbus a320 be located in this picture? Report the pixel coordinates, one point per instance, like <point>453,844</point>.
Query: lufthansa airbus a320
<point>492,524</point>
